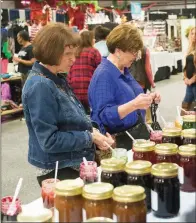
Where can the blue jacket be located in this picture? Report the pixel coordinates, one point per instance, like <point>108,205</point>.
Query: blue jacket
<point>59,129</point>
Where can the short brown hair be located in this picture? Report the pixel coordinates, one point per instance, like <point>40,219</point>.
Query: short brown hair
<point>101,32</point>
<point>125,37</point>
<point>49,43</point>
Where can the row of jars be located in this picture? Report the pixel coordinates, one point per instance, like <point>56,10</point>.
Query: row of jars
<point>189,122</point>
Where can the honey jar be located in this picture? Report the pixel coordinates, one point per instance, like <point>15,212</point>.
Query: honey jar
<point>172,135</point>
<point>189,122</point>
<point>189,136</point>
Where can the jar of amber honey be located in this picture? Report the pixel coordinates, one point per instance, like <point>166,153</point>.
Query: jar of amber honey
<point>97,200</point>
<point>166,152</point>
<point>187,169</point>
<point>172,135</point>
<point>68,201</point>
<point>189,122</point>
<point>113,171</point>
<point>165,193</point>
<point>139,173</point>
<point>189,136</point>
<point>144,150</point>
<point>129,204</point>
<point>99,219</point>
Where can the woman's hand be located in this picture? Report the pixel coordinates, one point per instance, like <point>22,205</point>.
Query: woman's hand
<point>102,141</point>
<point>142,101</point>
<point>186,81</point>
<point>16,59</point>
<point>156,97</point>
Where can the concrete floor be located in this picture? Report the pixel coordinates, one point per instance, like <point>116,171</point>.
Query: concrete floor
<point>15,143</point>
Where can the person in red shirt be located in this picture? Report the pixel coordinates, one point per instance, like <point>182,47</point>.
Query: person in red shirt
<point>87,60</point>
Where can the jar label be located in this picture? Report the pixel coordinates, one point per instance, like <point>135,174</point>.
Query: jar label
<point>115,218</point>
<point>84,214</point>
<point>181,174</point>
<point>154,200</point>
<point>56,215</point>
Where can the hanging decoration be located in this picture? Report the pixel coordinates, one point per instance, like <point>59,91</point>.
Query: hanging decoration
<point>47,11</point>
<point>121,5</point>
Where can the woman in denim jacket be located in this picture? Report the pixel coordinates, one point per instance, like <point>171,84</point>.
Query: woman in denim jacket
<point>59,129</point>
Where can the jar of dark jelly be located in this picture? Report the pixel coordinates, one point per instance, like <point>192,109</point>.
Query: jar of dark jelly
<point>187,169</point>
<point>165,193</point>
<point>113,171</point>
<point>189,136</point>
<point>144,150</point>
<point>139,173</point>
<point>166,152</point>
<point>189,122</point>
<point>172,135</point>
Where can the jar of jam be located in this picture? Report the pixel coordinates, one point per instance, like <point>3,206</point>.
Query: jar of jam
<point>97,200</point>
<point>172,135</point>
<point>47,192</point>
<point>144,150</point>
<point>189,122</point>
<point>113,171</point>
<point>99,219</point>
<point>68,201</point>
<point>5,205</point>
<point>129,204</point>
<point>156,136</point>
<point>189,136</point>
<point>43,215</point>
<point>120,153</point>
<point>165,193</point>
<point>139,173</point>
<point>89,173</point>
<point>187,169</point>
<point>166,152</point>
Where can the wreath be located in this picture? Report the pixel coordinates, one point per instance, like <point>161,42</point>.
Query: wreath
<point>120,6</point>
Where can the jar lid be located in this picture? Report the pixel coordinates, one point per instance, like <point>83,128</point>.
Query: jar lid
<point>189,133</point>
<point>138,167</point>
<point>166,148</point>
<point>98,191</point>
<point>189,118</point>
<point>129,194</point>
<point>41,215</point>
<point>69,187</point>
<point>165,169</point>
<point>99,219</point>
<point>187,150</point>
<point>171,132</point>
<point>143,146</point>
<point>113,164</point>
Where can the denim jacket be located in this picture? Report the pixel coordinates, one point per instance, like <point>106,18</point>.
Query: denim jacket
<point>59,129</point>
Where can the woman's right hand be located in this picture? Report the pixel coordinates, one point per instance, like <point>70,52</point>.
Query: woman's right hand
<point>143,101</point>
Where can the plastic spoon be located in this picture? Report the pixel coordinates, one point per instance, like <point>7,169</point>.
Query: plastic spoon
<point>85,161</point>
<point>108,145</point>
<point>56,171</point>
<point>130,136</point>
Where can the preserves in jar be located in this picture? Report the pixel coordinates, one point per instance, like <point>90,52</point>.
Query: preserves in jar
<point>189,136</point>
<point>166,152</point>
<point>165,194</point>
<point>89,173</point>
<point>129,204</point>
<point>187,169</point>
<point>189,122</point>
<point>172,135</point>
<point>156,136</point>
<point>139,173</point>
<point>144,150</point>
<point>97,200</point>
<point>113,171</point>
<point>68,201</point>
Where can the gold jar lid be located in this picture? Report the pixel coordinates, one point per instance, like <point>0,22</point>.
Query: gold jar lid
<point>165,170</point>
<point>171,132</point>
<point>138,167</point>
<point>99,219</point>
<point>129,194</point>
<point>189,133</point>
<point>187,150</point>
<point>143,146</point>
<point>113,164</point>
<point>166,148</point>
<point>69,187</point>
<point>189,118</point>
<point>98,191</point>
<point>41,215</point>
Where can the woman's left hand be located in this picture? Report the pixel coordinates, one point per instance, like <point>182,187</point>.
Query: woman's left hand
<point>16,59</point>
<point>156,97</point>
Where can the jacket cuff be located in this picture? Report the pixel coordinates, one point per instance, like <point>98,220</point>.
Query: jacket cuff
<point>88,139</point>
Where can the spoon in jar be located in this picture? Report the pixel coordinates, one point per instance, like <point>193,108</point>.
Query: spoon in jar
<point>56,171</point>
<point>85,161</point>
<point>130,136</point>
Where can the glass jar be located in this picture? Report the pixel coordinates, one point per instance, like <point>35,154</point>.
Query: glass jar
<point>187,169</point>
<point>129,204</point>
<point>139,173</point>
<point>166,152</point>
<point>189,136</point>
<point>189,122</point>
<point>172,135</point>
<point>156,137</point>
<point>43,215</point>
<point>165,193</point>
<point>113,171</point>
<point>120,153</point>
<point>144,151</point>
<point>5,204</point>
<point>97,200</point>
<point>99,219</point>
<point>89,173</point>
<point>68,201</point>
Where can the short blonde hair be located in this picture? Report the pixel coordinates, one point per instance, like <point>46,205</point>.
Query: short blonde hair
<point>125,37</point>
